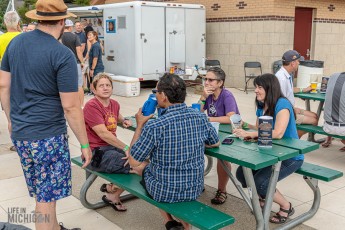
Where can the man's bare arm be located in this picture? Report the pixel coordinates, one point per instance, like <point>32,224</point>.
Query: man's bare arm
<point>74,115</point>
<point>5,89</point>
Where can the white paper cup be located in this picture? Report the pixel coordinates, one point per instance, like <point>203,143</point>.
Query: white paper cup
<point>235,121</point>
<point>215,125</point>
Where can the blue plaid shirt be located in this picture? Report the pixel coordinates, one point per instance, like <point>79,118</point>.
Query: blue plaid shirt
<point>175,144</point>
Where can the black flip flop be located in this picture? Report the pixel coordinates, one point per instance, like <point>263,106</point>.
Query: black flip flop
<point>173,225</point>
<point>112,204</point>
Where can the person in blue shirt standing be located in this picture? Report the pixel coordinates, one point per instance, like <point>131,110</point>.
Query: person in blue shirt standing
<point>95,55</point>
<point>175,144</point>
<point>271,102</point>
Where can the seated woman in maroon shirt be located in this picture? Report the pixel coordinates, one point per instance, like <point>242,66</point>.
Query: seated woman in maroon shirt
<point>110,155</point>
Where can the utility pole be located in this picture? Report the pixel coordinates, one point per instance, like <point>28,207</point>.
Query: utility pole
<point>10,6</point>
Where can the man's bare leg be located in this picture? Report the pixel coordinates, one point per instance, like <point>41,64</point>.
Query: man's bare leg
<point>47,213</point>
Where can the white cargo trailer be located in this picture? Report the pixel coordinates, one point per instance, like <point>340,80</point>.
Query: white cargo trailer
<point>148,37</point>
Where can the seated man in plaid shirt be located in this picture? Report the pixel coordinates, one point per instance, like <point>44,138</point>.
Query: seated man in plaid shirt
<point>174,143</point>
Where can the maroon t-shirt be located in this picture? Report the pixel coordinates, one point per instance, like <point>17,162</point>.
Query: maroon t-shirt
<point>95,114</point>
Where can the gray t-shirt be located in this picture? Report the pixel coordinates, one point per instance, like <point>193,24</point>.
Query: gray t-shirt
<point>334,110</point>
<point>72,41</point>
<point>41,67</point>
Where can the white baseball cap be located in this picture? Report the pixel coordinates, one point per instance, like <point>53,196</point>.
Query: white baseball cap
<point>68,23</point>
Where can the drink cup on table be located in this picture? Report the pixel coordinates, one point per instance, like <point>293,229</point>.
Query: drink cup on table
<point>236,121</point>
<point>313,86</point>
<point>265,131</point>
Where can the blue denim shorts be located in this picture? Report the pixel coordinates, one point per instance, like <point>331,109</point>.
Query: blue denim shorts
<point>47,167</point>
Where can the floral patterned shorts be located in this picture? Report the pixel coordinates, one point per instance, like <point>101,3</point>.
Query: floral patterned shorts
<point>47,167</point>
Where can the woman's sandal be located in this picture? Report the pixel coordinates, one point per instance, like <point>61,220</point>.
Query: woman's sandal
<point>342,149</point>
<point>282,219</point>
<point>219,198</point>
<point>104,188</point>
<point>327,143</point>
<point>112,204</point>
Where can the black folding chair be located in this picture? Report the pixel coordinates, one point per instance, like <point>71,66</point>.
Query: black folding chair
<point>212,63</point>
<point>254,67</point>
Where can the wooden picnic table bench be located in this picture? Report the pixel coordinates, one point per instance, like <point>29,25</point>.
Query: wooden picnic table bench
<point>196,213</point>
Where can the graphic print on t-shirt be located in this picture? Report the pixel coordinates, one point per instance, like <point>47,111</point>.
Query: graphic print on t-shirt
<point>110,122</point>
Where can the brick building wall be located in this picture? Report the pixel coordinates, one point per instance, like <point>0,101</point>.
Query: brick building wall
<point>261,30</point>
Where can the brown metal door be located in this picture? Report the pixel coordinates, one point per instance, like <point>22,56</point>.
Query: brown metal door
<point>302,32</point>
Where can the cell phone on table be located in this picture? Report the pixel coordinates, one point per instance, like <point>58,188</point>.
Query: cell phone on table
<point>228,141</point>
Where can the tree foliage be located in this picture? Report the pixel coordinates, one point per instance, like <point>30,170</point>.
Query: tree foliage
<point>82,2</point>
<point>27,5</point>
<point>3,6</point>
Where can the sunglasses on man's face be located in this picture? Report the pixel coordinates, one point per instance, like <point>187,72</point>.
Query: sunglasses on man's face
<point>250,139</point>
<point>154,91</point>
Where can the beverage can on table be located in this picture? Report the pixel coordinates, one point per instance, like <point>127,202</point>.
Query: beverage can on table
<point>265,131</point>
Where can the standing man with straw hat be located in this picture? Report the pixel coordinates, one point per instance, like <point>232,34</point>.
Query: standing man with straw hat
<point>36,98</point>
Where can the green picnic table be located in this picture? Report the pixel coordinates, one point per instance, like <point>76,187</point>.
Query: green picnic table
<point>315,97</point>
<point>251,157</point>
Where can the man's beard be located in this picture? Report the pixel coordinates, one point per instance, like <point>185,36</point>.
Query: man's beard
<point>61,32</point>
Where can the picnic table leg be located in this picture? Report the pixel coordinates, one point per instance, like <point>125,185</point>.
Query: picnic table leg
<point>89,181</point>
<point>237,185</point>
<point>270,193</point>
<point>90,178</point>
<point>209,165</point>
<point>248,175</point>
<point>313,184</point>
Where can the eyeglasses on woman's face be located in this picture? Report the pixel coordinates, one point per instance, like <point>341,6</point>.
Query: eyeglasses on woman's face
<point>206,79</point>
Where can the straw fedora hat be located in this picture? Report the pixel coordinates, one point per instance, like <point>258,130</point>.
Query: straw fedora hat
<point>49,10</point>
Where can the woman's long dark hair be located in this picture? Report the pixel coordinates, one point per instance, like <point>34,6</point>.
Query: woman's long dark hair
<point>271,85</point>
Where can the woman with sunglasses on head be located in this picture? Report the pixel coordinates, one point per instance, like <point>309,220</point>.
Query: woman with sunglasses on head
<point>271,102</point>
<point>220,105</point>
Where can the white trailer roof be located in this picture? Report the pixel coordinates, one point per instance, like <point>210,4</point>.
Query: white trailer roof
<point>99,8</point>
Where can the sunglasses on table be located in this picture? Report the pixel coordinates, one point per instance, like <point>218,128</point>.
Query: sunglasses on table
<point>250,139</point>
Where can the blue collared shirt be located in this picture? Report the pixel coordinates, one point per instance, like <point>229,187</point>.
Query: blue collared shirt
<point>175,145</point>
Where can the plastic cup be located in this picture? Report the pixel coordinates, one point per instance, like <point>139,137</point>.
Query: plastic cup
<point>215,125</point>
<point>313,86</point>
<point>235,121</point>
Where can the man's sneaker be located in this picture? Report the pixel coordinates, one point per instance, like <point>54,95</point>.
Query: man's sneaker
<point>63,228</point>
